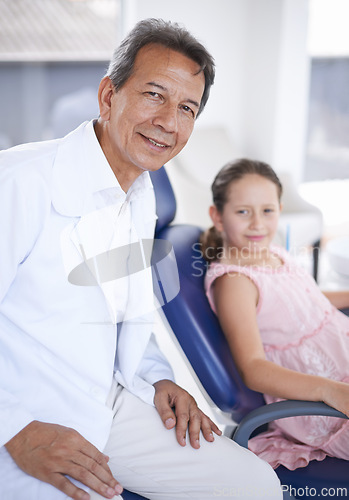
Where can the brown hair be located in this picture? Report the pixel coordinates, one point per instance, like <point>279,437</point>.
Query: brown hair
<point>211,240</point>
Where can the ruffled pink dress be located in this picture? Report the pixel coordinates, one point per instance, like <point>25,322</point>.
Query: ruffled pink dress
<point>300,330</point>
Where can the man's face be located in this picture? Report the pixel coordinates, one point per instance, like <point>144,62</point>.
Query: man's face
<point>149,120</point>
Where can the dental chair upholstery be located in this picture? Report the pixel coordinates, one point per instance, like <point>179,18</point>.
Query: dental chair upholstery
<point>128,495</point>
<point>197,329</point>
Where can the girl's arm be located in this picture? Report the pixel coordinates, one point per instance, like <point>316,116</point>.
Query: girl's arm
<point>236,299</point>
<point>339,299</point>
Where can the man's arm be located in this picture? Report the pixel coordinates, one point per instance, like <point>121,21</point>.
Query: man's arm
<point>46,451</point>
<point>176,407</point>
<point>20,226</point>
<point>154,365</point>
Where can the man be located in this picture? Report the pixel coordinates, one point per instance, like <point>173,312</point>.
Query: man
<point>80,371</point>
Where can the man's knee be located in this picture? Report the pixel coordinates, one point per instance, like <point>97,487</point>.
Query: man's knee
<point>245,476</point>
<point>263,482</point>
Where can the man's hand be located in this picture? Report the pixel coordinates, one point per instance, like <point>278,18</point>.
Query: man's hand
<point>50,452</point>
<point>178,408</point>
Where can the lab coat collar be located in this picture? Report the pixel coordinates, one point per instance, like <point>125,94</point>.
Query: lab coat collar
<point>81,169</point>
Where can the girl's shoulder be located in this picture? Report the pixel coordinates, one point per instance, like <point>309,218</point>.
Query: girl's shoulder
<point>218,269</point>
<point>254,272</point>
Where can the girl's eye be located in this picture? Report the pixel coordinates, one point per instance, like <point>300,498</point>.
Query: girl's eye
<point>242,212</point>
<point>268,210</point>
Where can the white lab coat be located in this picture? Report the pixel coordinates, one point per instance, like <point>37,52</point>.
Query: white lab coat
<point>57,339</point>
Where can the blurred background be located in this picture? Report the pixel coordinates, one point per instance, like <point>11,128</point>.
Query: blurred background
<point>281,94</point>
<point>281,91</point>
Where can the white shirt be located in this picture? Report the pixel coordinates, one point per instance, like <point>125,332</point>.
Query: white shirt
<point>58,338</point>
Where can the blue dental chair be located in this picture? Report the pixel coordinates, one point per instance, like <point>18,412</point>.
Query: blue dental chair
<point>128,495</point>
<point>202,341</point>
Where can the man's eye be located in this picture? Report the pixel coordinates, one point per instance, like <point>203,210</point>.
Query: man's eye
<point>187,109</point>
<point>154,95</point>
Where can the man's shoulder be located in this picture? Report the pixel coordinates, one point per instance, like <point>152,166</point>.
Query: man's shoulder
<point>37,156</point>
<point>27,160</point>
<point>26,177</point>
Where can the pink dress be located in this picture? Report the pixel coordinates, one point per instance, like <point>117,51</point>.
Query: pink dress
<point>300,330</point>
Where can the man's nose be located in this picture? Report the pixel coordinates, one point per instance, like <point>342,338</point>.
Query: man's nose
<point>167,117</point>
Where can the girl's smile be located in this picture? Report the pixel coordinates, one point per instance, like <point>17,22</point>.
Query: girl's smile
<point>256,238</point>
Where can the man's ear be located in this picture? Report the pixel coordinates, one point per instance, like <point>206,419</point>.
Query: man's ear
<point>281,207</point>
<point>105,93</point>
<point>216,217</point>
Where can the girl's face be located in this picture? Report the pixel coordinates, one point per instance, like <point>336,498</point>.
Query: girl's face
<point>250,216</point>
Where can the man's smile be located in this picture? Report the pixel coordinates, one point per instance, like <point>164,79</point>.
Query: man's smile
<point>155,142</point>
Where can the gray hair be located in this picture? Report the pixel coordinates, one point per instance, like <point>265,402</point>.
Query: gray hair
<point>168,34</point>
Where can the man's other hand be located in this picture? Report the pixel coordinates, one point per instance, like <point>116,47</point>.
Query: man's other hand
<point>52,452</point>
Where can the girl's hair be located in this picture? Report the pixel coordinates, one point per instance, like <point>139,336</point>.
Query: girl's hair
<point>211,240</point>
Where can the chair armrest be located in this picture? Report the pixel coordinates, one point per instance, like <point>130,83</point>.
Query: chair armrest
<point>281,409</point>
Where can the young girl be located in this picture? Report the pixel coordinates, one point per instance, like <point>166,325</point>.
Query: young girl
<point>287,338</point>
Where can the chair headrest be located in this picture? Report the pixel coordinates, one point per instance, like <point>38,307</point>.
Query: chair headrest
<point>165,199</point>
